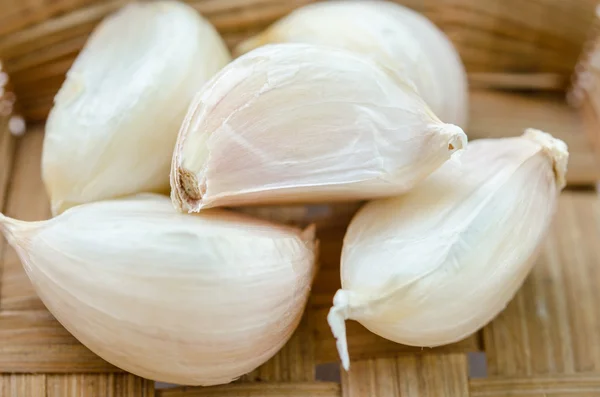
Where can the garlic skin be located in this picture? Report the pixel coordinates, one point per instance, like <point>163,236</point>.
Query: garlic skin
<point>115,120</point>
<point>433,266</point>
<point>389,33</point>
<point>298,123</point>
<point>186,299</point>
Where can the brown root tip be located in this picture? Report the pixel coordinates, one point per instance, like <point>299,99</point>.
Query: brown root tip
<point>189,184</point>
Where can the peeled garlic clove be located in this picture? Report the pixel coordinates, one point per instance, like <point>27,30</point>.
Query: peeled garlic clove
<point>435,265</point>
<point>304,123</point>
<point>115,119</point>
<point>389,33</point>
<point>187,299</point>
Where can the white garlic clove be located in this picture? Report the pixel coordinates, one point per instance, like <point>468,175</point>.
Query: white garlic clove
<point>389,33</point>
<point>187,299</point>
<point>433,266</point>
<point>115,120</point>
<point>303,123</point>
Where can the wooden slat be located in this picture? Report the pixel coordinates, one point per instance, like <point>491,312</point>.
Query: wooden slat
<point>26,200</point>
<point>591,122</point>
<point>518,81</point>
<point>364,344</point>
<point>327,281</point>
<point>499,114</point>
<point>33,341</point>
<point>98,385</point>
<point>440,375</point>
<point>19,14</point>
<point>7,148</point>
<point>553,324</point>
<point>584,385</point>
<point>78,23</point>
<point>17,385</point>
<point>308,389</point>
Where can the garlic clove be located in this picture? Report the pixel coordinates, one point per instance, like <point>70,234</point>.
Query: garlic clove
<point>292,123</point>
<point>389,33</point>
<point>433,266</point>
<point>115,120</point>
<point>187,299</point>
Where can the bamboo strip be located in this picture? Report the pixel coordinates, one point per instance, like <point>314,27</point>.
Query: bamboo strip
<point>75,24</point>
<point>17,385</point>
<point>584,385</point>
<point>7,148</point>
<point>591,121</point>
<point>41,56</point>
<point>510,55</point>
<point>98,385</point>
<point>6,163</point>
<point>19,14</point>
<point>439,375</point>
<point>55,71</point>
<point>515,81</point>
<point>300,389</point>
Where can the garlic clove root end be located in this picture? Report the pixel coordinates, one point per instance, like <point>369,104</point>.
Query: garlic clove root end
<point>457,139</point>
<point>12,228</point>
<point>186,194</point>
<point>554,148</point>
<point>336,319</point>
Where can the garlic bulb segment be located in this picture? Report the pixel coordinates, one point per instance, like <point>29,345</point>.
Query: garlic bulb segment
<point>188,299</point>
<point>433,266</point>
<point>115,120</point>
<point>394,35</point>
<point>303,123</point>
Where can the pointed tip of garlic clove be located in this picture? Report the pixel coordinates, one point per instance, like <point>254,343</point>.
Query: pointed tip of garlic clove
<point>10,228</point>
<point>336,318</point>
<point>556,149</point>
<point>309,233</point>
<point>456,137</point>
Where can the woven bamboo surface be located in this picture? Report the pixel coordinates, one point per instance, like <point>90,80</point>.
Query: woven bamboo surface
<point>545,344</point>
<point>503,43</point>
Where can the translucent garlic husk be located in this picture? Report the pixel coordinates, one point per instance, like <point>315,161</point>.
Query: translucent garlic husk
<point>389,33</point>
<point>301,123</point>
<point>187,299</point>
<point>433,266</point>
<point>115,120</point>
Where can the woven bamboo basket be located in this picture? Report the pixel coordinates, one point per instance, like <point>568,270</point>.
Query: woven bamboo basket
<point>521,56</point>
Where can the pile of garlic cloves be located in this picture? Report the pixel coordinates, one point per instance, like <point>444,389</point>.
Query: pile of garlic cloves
<point>311,113</point>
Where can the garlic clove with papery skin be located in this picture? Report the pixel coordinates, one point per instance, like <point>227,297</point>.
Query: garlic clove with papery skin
<point>433,266</point>
<point>296,123</point>
<point>389,33</point>
<point>115,120</point>
<point>187,299</point>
